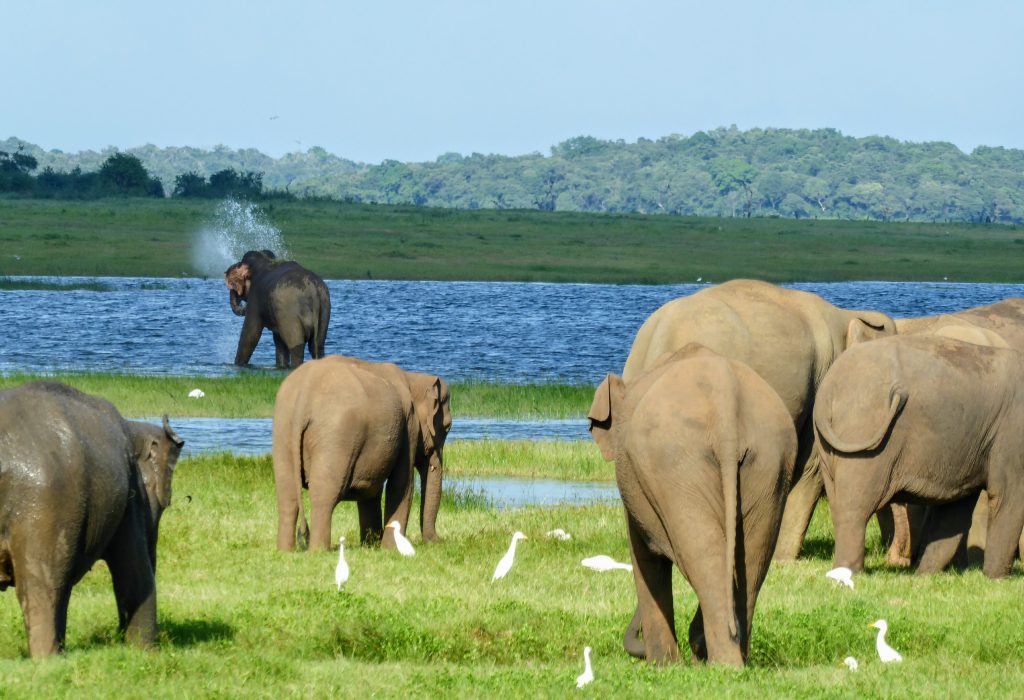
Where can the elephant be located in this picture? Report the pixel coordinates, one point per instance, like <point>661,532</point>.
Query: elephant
<point>79,483</point>
<point>283,296</point>
<point>930,420</point>
<point>348,429</point>
<point>704,451</point>
<point>789,337</point>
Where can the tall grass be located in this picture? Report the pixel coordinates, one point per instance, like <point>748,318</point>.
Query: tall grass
<point>527,459</point>
<point>239,619</point>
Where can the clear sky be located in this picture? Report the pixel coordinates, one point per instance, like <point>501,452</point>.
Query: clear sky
<point>412,80</point>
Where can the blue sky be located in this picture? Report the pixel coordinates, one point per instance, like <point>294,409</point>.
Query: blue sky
<point>413,80</point>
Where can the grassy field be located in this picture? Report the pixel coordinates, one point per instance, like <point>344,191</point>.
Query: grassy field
<point>251,394</point>
<point>349,241</point>
<point>238,619</point>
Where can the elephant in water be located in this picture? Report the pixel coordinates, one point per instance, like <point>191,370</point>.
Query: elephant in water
<point>353,430</point>
<point>790,338</point>
<point>924,419</point>
<point>283,296</point>
<point>79,483</point>
<point>704,452</point>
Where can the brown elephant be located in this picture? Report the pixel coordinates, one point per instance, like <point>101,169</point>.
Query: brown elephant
<point>704,452</point>
<point>790,338</point>
<point>79,483</point>
<point>924,419</point>
<point>350,430</point>
<point>293,302</point>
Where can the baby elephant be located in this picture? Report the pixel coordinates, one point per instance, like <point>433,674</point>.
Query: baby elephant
<point>924,419</point>
<point>79,483</point>
<point>704,452</point>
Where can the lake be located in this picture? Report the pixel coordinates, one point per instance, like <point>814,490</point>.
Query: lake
<point>499,331</point>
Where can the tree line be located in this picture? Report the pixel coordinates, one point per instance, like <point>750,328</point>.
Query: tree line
<point>797,173</point>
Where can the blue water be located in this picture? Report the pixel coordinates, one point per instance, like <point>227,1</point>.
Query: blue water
<point>503,331</point>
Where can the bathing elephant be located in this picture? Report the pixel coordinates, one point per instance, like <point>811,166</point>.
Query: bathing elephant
<point>930,420</point>
<point>286,298</point>
<point>79,483</point>
<point>704,452</point>
<point>789,337</point>
<point>350,430</point>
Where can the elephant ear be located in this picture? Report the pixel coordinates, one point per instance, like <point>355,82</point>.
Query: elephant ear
<point>868,326</point>
<point>608,395</point>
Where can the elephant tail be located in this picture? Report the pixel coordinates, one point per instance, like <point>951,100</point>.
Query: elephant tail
<point>824,425</point>
<point>730,490</point>
<point>323,320</point>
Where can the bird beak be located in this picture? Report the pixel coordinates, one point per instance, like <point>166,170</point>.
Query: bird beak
<point>872,625</point>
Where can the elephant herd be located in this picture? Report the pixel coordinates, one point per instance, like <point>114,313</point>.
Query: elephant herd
<point>738,407</point>
<point>740,404</point>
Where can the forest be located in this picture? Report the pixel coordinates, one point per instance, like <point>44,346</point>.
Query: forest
<point>725,172</point>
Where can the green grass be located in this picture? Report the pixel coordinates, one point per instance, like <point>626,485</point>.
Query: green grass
<point>238,619</point>
<point>528,459</point>
<point>127,237</point>
<point>250,394</point>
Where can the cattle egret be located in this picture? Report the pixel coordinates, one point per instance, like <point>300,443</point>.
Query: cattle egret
<point>196,394</point>
<point>885,652</point>
<point>506,561</point>
<point>588,672</point>
<point>841,575</point>
<point>603,562</point>
<point>403,544</point>
<point>341,573</point>
<point>559,534</point>
<point>850,663</point>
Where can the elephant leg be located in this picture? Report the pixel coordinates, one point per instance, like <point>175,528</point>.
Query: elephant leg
<point>45,611</point>
<point>296,354</point>
<point>398,497</point>
<point>134,582</point>
<point>698,641</point>
<point>371,528</point>
<point>252,329</point>
<point>803,497</point>
<point>702,559</point>
<point>632,641</point>
<point>977,535</point>
<point>652,575</point>
<point>895,525</point>
<point>852,503</point>
<point>945,528</point>
<point>1005,524</point>
<point>280,351</point>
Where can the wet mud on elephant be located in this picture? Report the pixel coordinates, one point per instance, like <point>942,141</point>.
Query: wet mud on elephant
<point>284,297</point>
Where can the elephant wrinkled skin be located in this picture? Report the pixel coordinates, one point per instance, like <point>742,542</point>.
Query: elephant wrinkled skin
<point>79,483</point>
<point>283,296</point>
<point>924,419</point>
<point>350,430</point>
<point>704,452</point>
<point>789,337</point>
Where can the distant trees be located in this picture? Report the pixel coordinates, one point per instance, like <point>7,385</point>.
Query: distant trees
<point>15,169</point>
<point>223,183</point>
<point>121,174</point>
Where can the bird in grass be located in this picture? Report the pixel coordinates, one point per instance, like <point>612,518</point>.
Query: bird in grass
<point>341,572</point>
<point>559,534</point>
<point>885,652</point>
<point>505,564</point>
<point>196,394</point>
<point>588,672</point>
<point>841,575</point>
<point>603,562</point>
<point>850,663</point>
<point>403,544</point>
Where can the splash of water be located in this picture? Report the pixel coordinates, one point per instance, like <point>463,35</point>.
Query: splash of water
<point>236,227</point>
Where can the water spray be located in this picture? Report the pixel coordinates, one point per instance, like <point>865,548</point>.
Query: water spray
<point>236,227</point>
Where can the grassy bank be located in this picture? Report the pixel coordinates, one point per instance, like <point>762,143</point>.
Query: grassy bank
<point>527,459</point>
<point>239,619</point>
<point>350,241</point>
<point>251,395</point>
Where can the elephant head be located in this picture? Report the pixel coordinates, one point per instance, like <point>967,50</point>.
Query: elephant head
<point>238,277</point>
<point>156,450</point>
<point>431,401</point>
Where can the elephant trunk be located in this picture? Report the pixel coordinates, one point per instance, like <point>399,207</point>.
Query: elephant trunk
<point>238,304</point>
<point>430,495</point>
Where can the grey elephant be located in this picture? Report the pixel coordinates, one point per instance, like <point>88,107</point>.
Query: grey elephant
<point>283,296</point>
<point>924,419</point>
<point>789,337</point>
<point>79,483</point>
<point>352,430</point>
<point>704,452</point>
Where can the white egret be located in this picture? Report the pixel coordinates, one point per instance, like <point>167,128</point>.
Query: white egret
<point>841,575</point>
<point>559,534</point>
<point>403,544</point>
<point>341,573</point>
<point>885,652</point>
<point>196,394</point>
<point>506,561</point>
<point>603,562</point>
<point>588,672</point>
<point>850,663</point>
